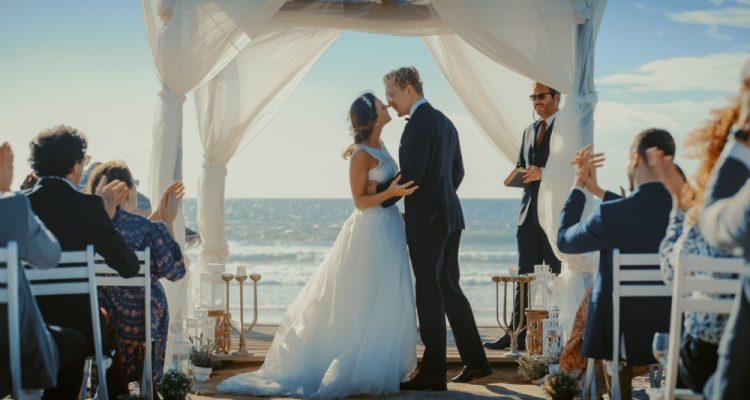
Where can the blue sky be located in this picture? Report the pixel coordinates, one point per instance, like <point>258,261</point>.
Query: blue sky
<point>87,64</point>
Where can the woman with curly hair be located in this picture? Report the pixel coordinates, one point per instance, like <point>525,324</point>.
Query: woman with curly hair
<point>703,331</point>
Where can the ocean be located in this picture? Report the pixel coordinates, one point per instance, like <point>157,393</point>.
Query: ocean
<point>284,240</point>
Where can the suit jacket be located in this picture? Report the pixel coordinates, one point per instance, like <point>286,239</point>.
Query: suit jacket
<point>78,220</point>
<point>635,224</point>
<point>430,155</point>
<point>535,155</point>
<point>37,246</point>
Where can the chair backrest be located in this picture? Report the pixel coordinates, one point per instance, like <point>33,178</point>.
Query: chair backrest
<point>641,277</point>
<point>74,274</point>
<point>691,274</point>
<point>106,276</point>
<point>9,295</point>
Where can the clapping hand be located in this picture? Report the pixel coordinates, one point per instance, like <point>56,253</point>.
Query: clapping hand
<point>666,170</point>
<point>6,167</point>
<point>399,190</point>
<point>586,163</point>
<point>170,202</point>
<point>112,194</point>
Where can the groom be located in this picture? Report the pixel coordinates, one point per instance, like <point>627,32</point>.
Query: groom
<point>430,155</point>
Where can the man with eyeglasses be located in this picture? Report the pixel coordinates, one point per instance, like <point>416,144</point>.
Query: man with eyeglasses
<point>533,244</point>
<point>58,157</point>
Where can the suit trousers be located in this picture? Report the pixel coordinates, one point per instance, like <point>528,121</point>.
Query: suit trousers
<point>435,262</point>
<point>71,346</point>
<point>533,248</point>
<point>730,381</point>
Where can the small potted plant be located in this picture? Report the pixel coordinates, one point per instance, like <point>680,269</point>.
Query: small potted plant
<point>174,385</point>
<point>202,357</point>
<point>561,386</point>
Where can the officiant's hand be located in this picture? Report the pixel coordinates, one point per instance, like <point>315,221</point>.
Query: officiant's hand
<point>533,174</point>
<point>400,190</point>
<point>372,187</point>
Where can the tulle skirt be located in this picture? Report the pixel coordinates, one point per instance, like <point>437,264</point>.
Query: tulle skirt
<point>353,327</point>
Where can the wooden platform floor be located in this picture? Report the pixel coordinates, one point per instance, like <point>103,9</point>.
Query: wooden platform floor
<point>259,340</point>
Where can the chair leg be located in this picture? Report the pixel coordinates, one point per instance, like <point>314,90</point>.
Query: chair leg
<point>589,381</point>
<point>84,382</point>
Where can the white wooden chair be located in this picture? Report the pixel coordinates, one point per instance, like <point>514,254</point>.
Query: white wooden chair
<point>74,275</point>
<point>686,282</point>
<point>9,295</point>
<point>631,282</point>
<point>106,276</point>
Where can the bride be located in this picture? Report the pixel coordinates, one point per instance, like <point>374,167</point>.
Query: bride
<point>352,329</point>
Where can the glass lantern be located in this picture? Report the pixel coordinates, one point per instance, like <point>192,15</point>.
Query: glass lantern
<point>180,349</point>
<point>539,294</point>
<point>212,287</point>
<point>552,334</point>
<point>201,325</point>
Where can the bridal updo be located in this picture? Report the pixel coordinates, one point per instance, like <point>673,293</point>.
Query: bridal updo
<point>362,116</point>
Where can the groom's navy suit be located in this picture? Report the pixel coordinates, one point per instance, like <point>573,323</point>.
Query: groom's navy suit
<point>430,155</point>
<point>634,224</point>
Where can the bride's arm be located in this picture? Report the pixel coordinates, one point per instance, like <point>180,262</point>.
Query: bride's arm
<point>359,167</point>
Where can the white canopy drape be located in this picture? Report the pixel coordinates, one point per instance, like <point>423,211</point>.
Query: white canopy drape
<point>246,57</point>
<point>239,101</point>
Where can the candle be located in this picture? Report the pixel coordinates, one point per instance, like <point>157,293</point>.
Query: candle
<point>241,270</point>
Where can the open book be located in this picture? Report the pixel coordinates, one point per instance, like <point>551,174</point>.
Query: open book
<point>515,178</point>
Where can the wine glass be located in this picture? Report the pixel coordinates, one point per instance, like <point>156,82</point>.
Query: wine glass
<point>660,347</point>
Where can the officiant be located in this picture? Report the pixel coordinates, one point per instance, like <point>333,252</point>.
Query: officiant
<point>533,244</point>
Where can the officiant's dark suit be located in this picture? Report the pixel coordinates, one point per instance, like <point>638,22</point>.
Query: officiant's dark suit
<point>533,244</point>
<point>430,155</point>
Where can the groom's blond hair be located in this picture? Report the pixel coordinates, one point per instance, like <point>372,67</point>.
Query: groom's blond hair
<point>405,76</point>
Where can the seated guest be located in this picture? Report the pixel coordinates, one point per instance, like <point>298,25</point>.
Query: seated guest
<point>634,224</point>
<point>43,350</point>
<point>57,158</point>
<point>125,304</point>
<point>725,223</point>
<point>703,331</point>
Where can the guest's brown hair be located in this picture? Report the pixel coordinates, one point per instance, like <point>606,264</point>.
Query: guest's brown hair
<point>706,143</point>
<point>113,170</point>
<point>406,76</point>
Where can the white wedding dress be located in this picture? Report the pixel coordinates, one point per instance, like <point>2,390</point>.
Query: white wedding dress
<point>353,327</point>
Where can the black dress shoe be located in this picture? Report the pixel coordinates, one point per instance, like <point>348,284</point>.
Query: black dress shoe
<point>499,344</point>
<point>425,383</point>
<point>468,374</point>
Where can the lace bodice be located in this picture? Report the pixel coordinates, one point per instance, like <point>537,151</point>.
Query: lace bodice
<point>386,169</point>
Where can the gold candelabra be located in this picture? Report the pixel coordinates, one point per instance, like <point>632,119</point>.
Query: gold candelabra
<point>511,329</point>
<point>241,277</point>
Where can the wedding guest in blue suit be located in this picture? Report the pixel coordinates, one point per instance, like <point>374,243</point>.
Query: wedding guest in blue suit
<point>633,224</point>
<point>724,221</point>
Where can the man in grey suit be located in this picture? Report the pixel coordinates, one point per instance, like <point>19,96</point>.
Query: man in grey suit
<point>43,348</point>
<point>725,223</point>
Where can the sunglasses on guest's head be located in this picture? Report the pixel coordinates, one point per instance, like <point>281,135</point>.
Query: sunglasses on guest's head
<point>540,96</point>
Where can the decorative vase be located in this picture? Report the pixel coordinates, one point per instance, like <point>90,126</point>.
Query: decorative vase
<point>201,374</point>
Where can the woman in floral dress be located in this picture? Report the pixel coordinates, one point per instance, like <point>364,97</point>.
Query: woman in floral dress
<point>125,304</point>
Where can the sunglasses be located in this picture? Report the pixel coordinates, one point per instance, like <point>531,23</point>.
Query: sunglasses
<point>540,96</point>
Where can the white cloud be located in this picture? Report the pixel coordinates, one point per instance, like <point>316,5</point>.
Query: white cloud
<point>616,123</point>
<point>713,32</point>
<point>718,72</point>
<point>732,16</point>
<point>643,7</point>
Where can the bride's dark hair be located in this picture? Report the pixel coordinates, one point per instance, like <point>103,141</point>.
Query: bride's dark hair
<point>362,115</point>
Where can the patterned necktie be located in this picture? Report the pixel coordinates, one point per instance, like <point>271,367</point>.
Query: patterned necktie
<point>542,132</point>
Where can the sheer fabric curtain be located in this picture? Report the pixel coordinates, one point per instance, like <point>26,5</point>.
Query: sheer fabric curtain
<point>239,102</point>
<point>550,42</point>
<point>190,42</point>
